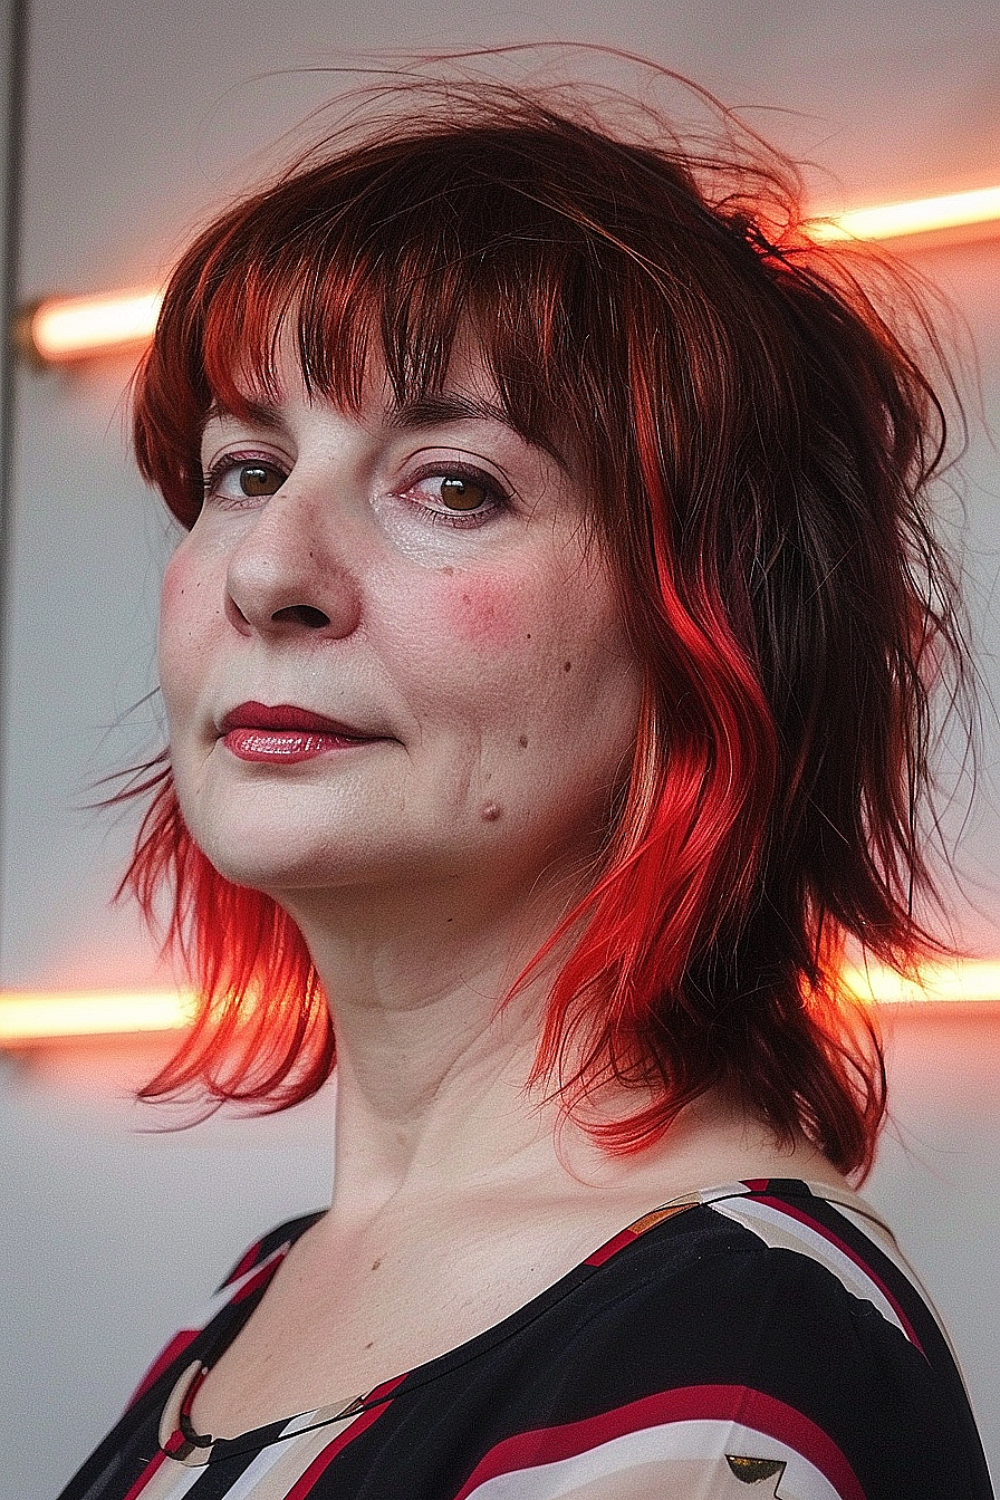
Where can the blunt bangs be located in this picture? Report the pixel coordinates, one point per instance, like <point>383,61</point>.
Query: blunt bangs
<point>386,262</point>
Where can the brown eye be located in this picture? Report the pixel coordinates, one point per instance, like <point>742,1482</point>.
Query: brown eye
<point>463,494</point>
<point>258,479</point>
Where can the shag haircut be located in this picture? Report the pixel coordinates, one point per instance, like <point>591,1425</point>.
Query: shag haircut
<point>757,441</point>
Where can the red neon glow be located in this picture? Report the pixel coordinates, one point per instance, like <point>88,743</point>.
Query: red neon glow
<point>916,216</point>
<point>68,328</point>
<point>33,1016</point>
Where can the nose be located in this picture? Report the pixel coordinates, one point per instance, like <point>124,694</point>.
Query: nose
<point>293,572</point>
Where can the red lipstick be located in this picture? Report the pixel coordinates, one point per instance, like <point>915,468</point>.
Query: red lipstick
<point>284,735</point>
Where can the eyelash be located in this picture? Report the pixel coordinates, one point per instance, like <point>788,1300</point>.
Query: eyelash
<point>227,463</point>
<point>499,497</point>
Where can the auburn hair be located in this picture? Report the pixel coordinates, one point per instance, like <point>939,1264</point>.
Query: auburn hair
<point>758,443</point>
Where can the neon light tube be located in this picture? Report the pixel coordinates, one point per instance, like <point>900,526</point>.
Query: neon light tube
<point>67,328</point>
<point>972,980</point>
<point>920,216</point>
<point>61,329</point>
<point>27,1016</point>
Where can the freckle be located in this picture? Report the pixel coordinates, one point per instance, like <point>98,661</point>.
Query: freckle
<point>376,1263</point>
<point>529,635</point>
<point>522,740</point>
<point>371,1345</point>
<point>567,665</point>
<point>491,812</point>
<point>447,572</point>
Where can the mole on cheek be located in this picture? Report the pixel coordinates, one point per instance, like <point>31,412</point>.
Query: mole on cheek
<point>567,665</point>
<point>522,740</point>
<point>492,812</point>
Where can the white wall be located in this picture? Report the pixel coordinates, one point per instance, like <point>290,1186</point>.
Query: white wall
<point>143,116</point>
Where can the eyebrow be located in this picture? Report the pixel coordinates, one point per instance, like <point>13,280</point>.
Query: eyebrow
<point>423,411</point>
<point>415,415</point>
<point>444,406</point>
<point>262,413</point>
<point>426,411</point>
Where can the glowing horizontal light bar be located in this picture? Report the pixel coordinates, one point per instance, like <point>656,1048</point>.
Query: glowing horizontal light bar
<point>975,979</point>
<point>27,1016</point>
<point>919,216</point>
<point>66,328</point>
<point>34,1016</point>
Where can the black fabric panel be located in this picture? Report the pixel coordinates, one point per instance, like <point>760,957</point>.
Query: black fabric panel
<point>696,1301</point>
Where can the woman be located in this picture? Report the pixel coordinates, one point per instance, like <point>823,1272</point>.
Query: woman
<point>546,667</point>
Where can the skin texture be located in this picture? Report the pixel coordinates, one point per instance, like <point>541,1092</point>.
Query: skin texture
<point>474,637</point>
<point>483,647</point>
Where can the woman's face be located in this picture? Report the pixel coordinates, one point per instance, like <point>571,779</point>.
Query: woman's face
<point>388,652</point>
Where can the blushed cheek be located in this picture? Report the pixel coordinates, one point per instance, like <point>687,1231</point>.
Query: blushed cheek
<point>176,645</point>
<point>487,615</point>
<point>173,589</point>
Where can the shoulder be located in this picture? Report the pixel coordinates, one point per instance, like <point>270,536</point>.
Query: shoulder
<point>118,1464</point>
<point>786,1235</point>
<point>774,1309</point>
<point>217,1319</point>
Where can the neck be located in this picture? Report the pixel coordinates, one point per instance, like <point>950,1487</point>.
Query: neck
<point>433,1060</point>
<point>433,1064</point>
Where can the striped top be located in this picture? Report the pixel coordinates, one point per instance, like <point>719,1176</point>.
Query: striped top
<point>765,1334</point>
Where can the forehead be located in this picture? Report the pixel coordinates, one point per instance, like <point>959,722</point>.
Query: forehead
<point>469,391</point>
<point>239,320</point>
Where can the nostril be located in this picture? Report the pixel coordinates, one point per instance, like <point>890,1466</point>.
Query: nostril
<point>303,614</point>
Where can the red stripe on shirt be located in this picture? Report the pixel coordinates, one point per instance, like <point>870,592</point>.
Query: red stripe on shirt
<point>173,1351</point>
<point>731,1403</point>
<point>244,1264</point>
<point>146,1475</point>
<point>625,1237</point>
<point>322,1461</point>
<point>261,1278</point>
<point>834,1239</point>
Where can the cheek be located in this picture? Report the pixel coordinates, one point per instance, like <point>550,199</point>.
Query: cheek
<point>490,615</point>
<point>545,652</point>
<point>173,592</point>
<point>179,629</point>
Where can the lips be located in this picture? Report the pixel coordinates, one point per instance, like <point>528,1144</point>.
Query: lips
<point>259,716</point>
<point>285,735</point>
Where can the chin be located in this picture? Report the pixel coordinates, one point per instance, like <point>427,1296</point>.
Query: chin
<point>271,837</point>
<point>265,869</point>
<point>264,853</point>
<point>279,858</point>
